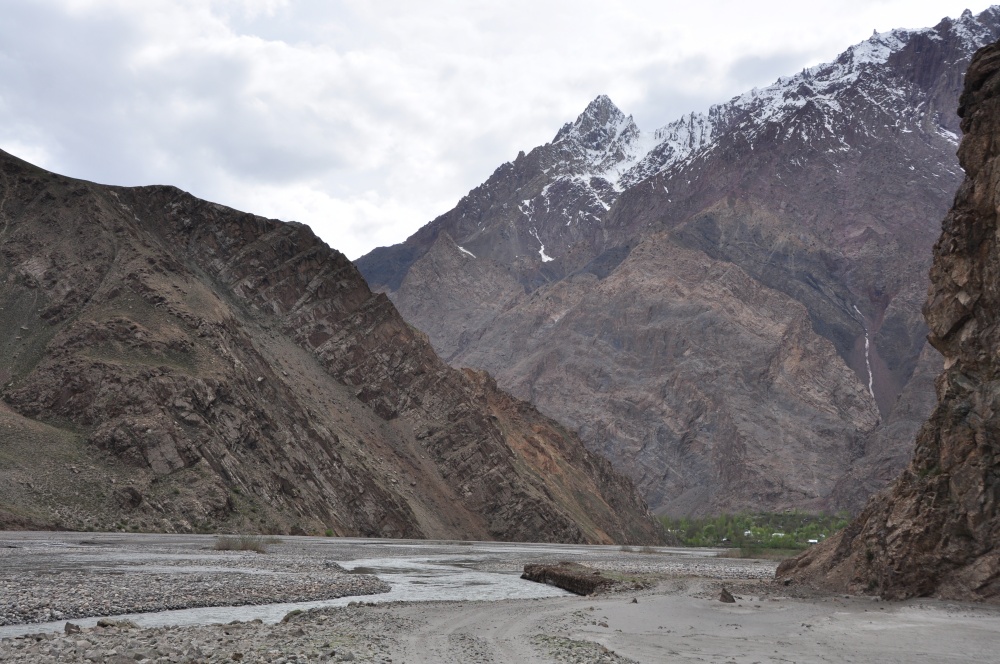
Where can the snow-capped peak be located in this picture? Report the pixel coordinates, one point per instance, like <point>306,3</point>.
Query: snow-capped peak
<point>604,141</point>
<point>591,126</point>
<point>603,152</point>
<point>970,29</point>
<point>607,144</point>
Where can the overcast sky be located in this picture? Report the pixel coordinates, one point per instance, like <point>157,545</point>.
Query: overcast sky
<point>366,119</point>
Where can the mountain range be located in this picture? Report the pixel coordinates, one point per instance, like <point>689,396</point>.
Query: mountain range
<point>727,307</point>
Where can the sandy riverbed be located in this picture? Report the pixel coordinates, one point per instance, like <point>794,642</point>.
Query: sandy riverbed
<point>677,618</point>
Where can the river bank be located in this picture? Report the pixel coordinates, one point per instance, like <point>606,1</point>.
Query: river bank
<point>668,609</point>
<point>157,580</point>
<point>50,577</point>
<point>680,621</point>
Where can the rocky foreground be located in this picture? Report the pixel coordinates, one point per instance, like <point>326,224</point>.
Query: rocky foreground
<point>681,620</point>
<point>666,607</point>
<point>332,635</point>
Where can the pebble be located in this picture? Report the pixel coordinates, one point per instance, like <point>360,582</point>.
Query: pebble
<point>570,651</point>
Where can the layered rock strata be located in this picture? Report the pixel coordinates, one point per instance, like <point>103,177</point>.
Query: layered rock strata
<point>172,364</point>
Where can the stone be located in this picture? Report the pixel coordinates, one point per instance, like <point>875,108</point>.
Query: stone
<point>726,596</point>
<point>121,624</point>
<point>573,577</point>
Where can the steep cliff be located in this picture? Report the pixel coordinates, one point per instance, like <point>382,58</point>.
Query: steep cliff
<point>936,530</point>
<point>172,364</point>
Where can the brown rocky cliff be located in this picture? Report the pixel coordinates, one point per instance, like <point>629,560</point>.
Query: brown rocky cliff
<point>230,371</point>
<point>936,530</point>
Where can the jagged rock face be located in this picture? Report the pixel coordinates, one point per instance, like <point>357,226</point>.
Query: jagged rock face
<point>728,307</point>
<point>172,364</point>
<point>936,530</point>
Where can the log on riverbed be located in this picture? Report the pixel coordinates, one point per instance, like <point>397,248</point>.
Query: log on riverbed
<point>573,577</point>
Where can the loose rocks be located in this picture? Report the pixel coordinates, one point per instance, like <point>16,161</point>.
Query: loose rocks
<point>39,586</point>
<point>329,635</point>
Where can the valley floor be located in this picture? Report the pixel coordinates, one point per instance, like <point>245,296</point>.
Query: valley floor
<point>669,609</point>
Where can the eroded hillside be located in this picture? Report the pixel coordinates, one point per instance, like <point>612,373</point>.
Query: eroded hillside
<point>171,364</point>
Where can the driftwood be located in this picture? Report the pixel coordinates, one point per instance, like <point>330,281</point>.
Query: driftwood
<point>573,577</point>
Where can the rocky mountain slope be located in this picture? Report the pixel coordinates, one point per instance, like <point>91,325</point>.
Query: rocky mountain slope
<point>727,307</point>
<point>170,364</point>
<point>936,530</point>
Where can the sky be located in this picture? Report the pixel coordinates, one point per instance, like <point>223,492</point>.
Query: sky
<point>368,118</point>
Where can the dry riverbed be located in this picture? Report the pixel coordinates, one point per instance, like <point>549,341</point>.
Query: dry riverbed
<point>668,609</point>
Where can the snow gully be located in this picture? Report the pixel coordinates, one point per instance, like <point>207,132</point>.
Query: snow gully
<point>868,359</point>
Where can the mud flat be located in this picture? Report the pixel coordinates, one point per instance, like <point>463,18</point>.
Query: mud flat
<point>667,609</point>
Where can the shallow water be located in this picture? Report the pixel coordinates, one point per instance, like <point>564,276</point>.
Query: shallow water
<point>417,578</point>
<point>417,570</point>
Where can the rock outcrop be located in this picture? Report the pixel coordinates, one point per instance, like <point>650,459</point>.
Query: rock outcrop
<point>171,364</point>
<point>728,307</point>
<point>936,530</point>
<point>574,577</point>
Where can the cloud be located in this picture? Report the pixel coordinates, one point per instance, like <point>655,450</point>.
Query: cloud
<point>367,119</point>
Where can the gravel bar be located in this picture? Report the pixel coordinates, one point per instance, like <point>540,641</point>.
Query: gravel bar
<point>91,577</point>
<point>49,577</point>
<point>326,635</point>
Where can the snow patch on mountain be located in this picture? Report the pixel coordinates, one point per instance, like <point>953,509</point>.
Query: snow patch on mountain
<point>545,258</point>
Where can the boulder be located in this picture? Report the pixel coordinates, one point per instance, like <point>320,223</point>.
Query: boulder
<point>573,577</point>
